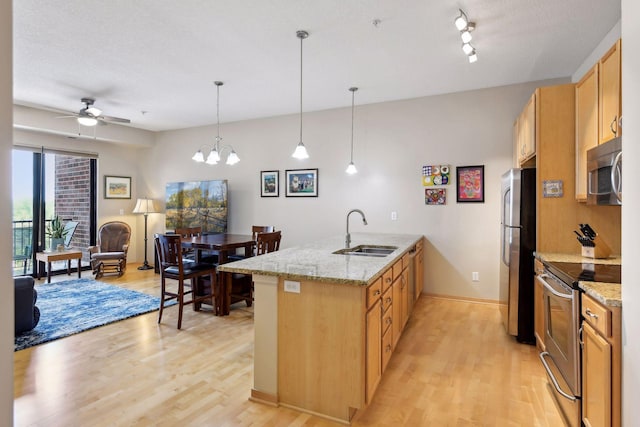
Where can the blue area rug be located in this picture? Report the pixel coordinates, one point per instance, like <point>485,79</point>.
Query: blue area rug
<point>73,306</point>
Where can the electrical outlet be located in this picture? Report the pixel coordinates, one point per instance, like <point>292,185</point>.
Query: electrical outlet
<point>394,215</point>
<point>291,286</point>
<point>121,211</point>
<point>475,276</point>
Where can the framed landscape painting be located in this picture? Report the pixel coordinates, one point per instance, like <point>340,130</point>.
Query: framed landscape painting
<point>269,183</point>
<point>302,182</point>
<point>117,187</point>
<point>197,204</point>
<point>470,184</point>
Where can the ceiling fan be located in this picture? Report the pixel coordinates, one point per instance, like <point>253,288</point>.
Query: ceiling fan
<point>91,116</point>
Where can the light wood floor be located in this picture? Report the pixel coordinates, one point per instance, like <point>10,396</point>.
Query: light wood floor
<point>454,366</point>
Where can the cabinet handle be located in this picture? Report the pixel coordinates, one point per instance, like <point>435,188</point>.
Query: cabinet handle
<point>377,292</point>
<point>388,300</point>
<point>590,314</point>
<point>388,348</point>
<point>389,321</point>
<point>580,340</point>
<point>388,280</point>
<point>615,120</point>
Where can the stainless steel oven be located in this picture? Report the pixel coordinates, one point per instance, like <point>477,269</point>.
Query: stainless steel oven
<point>562,357</point>
<point>604,166</point>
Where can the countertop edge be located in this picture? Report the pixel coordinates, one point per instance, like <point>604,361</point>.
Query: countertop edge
<point>608,294</point>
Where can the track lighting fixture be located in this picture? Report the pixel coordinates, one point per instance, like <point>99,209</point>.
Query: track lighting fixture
<point>465,27</point>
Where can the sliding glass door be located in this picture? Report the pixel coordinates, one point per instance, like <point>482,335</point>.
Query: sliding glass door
<point>47,184</point>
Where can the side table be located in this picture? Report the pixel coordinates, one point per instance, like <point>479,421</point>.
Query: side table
<point>49,257</point>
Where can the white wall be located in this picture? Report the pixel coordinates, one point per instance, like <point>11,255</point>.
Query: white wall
<point>392,142</point>
<point>6,302</point>
<point>630,208</point>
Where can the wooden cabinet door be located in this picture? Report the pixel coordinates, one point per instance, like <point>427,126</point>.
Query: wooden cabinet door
<point>419,273</point>
<point>610,105</point>
<point>404,285</point>
<point>538,313</point>
<point>373,349</point>
<point>586,126</point>
<point>396,307</point>
<point>596,378</point>
<point>527,131</point>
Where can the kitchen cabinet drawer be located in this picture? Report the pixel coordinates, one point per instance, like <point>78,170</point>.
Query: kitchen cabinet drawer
<point>387,299</point>
<point>374,291</point>
<point>387,347</point>
<point>387,279</point>
<point>596,315</point>
<point>405,260</point>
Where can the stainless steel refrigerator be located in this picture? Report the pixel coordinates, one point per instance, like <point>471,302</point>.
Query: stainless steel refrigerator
<point>518,242</point>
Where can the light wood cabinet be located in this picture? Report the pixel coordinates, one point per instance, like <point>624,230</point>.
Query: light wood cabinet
<point>374,349</point>
<point>610,100</point>
<point>586,126</point>
<point>601,363</point>
<point>525,132</point>
<point>538,307</point>
<point>419,272</point>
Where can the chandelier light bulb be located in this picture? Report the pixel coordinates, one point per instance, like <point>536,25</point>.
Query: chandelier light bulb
<point>461,21</point>
<point>213,158</point>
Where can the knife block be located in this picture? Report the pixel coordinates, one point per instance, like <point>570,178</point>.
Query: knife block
<point>599,250</point>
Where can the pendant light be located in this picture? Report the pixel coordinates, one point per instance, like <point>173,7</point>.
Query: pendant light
<point>301,150</point>
<point>214,155</point>
<point>351,169</point>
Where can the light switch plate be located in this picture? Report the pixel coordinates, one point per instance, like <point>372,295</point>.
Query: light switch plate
<point>291,286</point>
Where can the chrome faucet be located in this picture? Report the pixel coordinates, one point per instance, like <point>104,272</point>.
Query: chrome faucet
<point>364,221</point>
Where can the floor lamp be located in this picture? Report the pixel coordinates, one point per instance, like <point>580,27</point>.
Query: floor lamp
<point>145,207</point>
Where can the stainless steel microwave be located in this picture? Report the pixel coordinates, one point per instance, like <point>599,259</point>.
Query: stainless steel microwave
<point>604,173</point>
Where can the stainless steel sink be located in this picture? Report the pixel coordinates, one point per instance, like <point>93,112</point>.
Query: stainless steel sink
<point>367,250</point>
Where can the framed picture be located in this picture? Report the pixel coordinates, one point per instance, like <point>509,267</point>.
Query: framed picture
<point>269,183</point>
<point>435,196</point>
<point>470,184</point>
<point>117,187</point>
<point>302,182</point>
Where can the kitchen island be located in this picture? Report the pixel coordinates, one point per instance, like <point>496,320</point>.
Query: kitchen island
<point>326,324</point>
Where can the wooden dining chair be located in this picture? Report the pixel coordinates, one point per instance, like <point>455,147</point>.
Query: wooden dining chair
<point>169,249</point>
<point>242,284</point>
<point>255,229</point>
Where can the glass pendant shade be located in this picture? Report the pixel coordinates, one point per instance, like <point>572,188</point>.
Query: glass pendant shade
<point>300,152</point>
<point>87,121</point>
<point>351,169</point>
<point>233,158</point>
<point>213,158</point>
<point>466,36</point>
<point>198,157</point>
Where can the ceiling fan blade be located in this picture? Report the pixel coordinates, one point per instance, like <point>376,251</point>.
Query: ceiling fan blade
<point>114,119</point>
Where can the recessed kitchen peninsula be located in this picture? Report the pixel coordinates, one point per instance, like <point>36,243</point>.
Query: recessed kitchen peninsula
<point>326,324</point>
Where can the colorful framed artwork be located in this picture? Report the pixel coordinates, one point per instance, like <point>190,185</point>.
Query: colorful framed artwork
<point>435,196</point>
<point>435,175</point>
<point>301,182</point>
<point>269,183</point>
<point>552,188</point>
<point>470,184</point>
<point>201,204</point>
<point>117,187</point>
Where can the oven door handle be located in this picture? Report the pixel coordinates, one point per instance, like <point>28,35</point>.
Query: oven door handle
<point>553,378</point>
<point>550,288</point>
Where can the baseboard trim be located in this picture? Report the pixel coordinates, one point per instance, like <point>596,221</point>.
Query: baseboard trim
<point>464,299</point>
<point>265,398</point>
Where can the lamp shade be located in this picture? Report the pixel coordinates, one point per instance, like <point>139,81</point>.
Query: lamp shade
<point>145,206</point>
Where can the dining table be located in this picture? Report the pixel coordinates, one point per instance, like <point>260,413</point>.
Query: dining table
<point>224,245</point>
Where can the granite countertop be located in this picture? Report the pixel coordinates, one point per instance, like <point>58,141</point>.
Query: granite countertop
<point>316,262</point>
<point>609,294</point>
<point>558,257</point>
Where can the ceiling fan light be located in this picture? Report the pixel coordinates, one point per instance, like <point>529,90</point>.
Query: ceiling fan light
<point>198,157</point>
<point>300,152</point>
<point>93,111</point>
<point>87,121</point>
<point>233,158</point>
<point>466,36</point>
<point>351,169</point>
<point>461,21</point>
<point>467,48</point>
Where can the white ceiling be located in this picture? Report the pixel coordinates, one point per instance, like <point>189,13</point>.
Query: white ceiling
<point>162,56</point>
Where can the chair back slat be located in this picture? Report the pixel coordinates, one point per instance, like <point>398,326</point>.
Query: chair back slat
<point>189,231</point>
<point>268,242</point>
<point>169,249</point>
<point>261,229</point>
